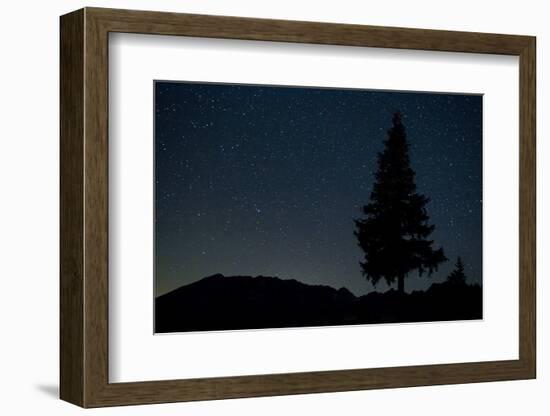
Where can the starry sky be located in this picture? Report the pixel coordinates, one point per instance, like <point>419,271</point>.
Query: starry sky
<point>255,179</point>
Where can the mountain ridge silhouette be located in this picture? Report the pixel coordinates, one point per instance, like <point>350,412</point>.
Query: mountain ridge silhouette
<point>219,302</point>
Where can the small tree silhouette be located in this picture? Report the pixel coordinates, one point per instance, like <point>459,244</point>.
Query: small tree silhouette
<point>457,276</point>
<point>394,233</point>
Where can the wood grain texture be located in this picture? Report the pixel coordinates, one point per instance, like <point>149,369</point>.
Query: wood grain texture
<point>162,23</point>
<point>527,207</point>
<point>84,207</point>
<point>71,208</point>
<point>96,224</point>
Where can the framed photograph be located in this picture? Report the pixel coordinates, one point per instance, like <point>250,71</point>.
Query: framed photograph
<point>255,207</point>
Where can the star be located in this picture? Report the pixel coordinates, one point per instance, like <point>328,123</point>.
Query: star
<point>269,180</point>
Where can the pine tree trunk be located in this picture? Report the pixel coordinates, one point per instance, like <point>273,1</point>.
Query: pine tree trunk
<point>401,283</point>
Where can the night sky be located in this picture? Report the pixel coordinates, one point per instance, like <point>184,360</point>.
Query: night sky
<point>267,180</point>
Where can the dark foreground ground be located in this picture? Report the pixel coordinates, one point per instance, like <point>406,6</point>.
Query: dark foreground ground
<point>244,302</point>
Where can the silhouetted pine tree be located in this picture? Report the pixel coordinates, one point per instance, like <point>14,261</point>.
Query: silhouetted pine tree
<point>394,233</point>
<point>457,276</point>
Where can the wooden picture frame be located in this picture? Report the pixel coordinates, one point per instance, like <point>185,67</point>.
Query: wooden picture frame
<point>84,207</point>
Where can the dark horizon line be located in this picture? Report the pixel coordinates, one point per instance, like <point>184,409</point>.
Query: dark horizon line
<point>303,283</point>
